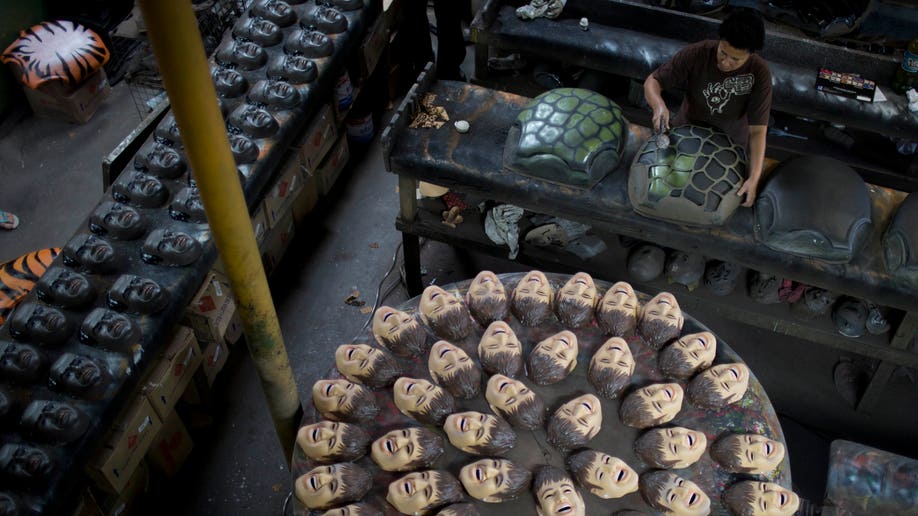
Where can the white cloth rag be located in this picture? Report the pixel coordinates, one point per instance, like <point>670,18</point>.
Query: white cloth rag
<point>502,227</point>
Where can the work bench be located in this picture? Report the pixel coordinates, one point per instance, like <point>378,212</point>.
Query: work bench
<point>472,164</point>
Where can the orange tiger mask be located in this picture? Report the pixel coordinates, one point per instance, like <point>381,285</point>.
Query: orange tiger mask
<point>18,277</point>
<point>56,51</point>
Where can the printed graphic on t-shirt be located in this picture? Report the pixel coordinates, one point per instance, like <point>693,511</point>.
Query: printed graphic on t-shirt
<point>718,94</point>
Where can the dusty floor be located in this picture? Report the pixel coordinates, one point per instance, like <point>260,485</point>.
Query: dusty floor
<point>52,178</point>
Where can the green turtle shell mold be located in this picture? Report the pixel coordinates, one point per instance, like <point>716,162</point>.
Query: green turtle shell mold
<point>691,181</point>
<point>571,136</point>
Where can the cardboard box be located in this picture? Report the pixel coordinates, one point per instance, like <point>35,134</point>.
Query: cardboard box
<point>234,330</point>
<point>280,197</point>
<point>331,168</point>
<point>373,45</point>
<point>306,200</point>
<point>86,504</point>
<point>138,484</point>
<point>277,242</point>
<point>197,389</point>
<point>124,448</point>
<point>73,104</point>
<point>260,224</point>
<point>171,446</point>
<point>211,309</point>
<point>172,372</point>
<point>318,138</point>
<point>214,359</point>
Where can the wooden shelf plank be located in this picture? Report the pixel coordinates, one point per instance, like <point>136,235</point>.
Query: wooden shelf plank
<point>610,266</point>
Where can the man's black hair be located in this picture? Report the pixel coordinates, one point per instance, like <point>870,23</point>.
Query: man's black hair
<point>743,29</point>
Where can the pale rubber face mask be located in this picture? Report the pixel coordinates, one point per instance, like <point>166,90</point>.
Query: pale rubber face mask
<point>486,286</point>
<point>445,359</point>
<point>534,286</point>
<point>621,298</point>
<point>584,413</point>
<point>609,477</point>
<point>436,302</point>
<point>561,348</point>
<point>334,395</point>
<point>696,349</point>
<point>390,324</point>
<point>505,394</point>
<point>657,403</point>
<point>469,429</point>
<point>768,499</point>
<point>320,487</point>
<point>580,288</point>
<point>663,307</point>
<point>683,497</point>
<point>487,479</point>
<point>413,492</point>
<point>414,395</point>
<point>499,338</point>
<point>322,440</point>
<point>754,453</point>
<point>356,360</point>
<point>614,354</point>
<point>398,449</point>
<point>729,381</point>
<point>679,446</point>
<point>560,499</point>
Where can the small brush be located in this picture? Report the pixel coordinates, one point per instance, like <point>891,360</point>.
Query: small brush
<point>662,137</point>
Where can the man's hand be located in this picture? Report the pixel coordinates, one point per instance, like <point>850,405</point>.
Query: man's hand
<point>756,155</point>
<point>749,189</point>
<point>660,119</point>
<point>655,101</point>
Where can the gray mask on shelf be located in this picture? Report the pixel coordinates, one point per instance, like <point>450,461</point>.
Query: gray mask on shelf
<point>850,317</point>
<point>645,262</point>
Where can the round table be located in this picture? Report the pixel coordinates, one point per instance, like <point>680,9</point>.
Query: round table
<point>752,414</point>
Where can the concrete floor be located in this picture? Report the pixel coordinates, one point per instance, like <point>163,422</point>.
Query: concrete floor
<point>52,178</point>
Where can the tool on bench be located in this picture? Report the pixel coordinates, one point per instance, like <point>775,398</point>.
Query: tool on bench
<point>662,135</point>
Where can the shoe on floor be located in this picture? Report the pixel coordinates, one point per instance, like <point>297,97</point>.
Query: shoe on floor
<point>850,381</point>
<point>8,220</point>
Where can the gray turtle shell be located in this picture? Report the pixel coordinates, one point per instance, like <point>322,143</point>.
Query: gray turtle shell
<point>816,207</point>
<point>900,243</point>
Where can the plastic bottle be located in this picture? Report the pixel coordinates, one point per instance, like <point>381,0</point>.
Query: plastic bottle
<point>907,74</point>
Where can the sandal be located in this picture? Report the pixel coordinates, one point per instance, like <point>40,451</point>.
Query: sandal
<point>8,220</point>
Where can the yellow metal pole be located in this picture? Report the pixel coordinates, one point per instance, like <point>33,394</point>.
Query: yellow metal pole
<point>173,32</point>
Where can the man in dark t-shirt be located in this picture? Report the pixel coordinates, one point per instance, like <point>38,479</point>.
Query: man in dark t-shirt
<point>726,86</point>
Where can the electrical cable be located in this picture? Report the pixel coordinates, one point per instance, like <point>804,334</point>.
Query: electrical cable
<point>379,287</point>
<point>287,501</point>
<point>422,242</point>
